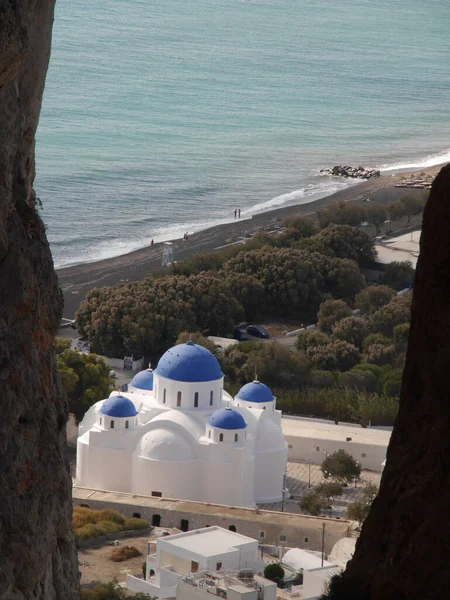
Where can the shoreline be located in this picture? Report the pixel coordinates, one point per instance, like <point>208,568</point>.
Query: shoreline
<point>76,280</point>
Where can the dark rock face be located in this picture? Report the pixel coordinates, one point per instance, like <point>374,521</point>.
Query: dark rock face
<point>37,550</point>
<point>403,551</point>
<point>352,172</point>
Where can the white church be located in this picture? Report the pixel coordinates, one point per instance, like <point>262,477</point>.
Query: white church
<point>176,433</point>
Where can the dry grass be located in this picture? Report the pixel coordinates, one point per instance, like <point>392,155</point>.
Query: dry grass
<point>88,523</point>
<point>124,553</point>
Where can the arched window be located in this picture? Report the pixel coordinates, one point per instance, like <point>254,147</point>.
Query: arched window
<point>209,433</point>
<point>236,437</point>
<point>196,399</point>
<point>127,425</point>
<point>112,424</point>
<point>221,437</point>
<point>164,395</point>
<point>179,399</point>
<point>100,420</point>
<point>264,407</point>
<point>136,420</point>
<point>211,397</point>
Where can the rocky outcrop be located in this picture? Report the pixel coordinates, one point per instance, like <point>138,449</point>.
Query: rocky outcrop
<point>403,551</point>
<point>37,552</point>
<point>352,172</point>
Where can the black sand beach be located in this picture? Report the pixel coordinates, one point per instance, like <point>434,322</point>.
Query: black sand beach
<point>76,281</point>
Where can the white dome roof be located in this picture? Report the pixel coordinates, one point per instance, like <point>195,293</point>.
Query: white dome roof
<point>164,444</point>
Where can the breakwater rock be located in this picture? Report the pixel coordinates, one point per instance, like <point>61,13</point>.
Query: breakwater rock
<point>353,172</point>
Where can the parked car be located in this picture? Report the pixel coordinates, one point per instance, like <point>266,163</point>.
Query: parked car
<point>112,374</point>
<point>258,331</point>
<point>240,334</point>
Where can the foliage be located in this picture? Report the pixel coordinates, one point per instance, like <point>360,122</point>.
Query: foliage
<point>110,591</point>
<point>335,356</point>
<point>313,504</point>
<point>84,377</point>
<point>379,354</point>
<point>330,488</point>
<point>376,339</point>
<point>321,379</point>
<point>398,275</point>
<point>297,228</point>
<point>359,509</point>
<point>343,241</point>
<point>396,312</point>
<point>370,299</point>
<point>88,523</point>
<point>407,206</point>
<point>376,215</point>
<point>274,572</point>
<point>341,467</point>
<point>311,338</point>
<point>340,213</point>
<point>364,381</point>
<point>124,553</point>
<point>198,339</point>
<point>351,330</point>
<point>330,313</point>
<point>401,335</point>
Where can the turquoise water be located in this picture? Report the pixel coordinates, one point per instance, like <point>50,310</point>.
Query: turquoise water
<point>166,115</point>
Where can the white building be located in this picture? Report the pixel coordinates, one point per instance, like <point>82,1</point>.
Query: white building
<point>177,434</point>
<point>195,564</point>
<point>311,439</point>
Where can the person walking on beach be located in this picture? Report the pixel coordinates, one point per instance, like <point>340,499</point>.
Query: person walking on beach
<point>151,244</point>
<point>239,212</point>
<point>235,212</point>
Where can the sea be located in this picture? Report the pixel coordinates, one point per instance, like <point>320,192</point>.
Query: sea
<point>164,116</point>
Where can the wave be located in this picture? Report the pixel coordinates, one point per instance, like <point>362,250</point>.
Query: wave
<point>431,160</point>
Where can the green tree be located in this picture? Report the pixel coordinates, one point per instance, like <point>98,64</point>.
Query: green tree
<point>320,379</point>
<point>330,313</point>
<point>335,356</point>
<point>378,354</point>
<point>396,210</point>
<point>84,377</point>
<point>277,366</point>
<point>313,504</point>
<point>299,227</point>
<point>360,508</point>
<point>396,312</point>
<point>390,382</point>
<point>364,381</point>
<point>376,338</point>
<point>376,215</point>
<point>413,205</point>
<point>340,213</point>
<point>329,488</point>
<point>398,275</point>
<point>343,241</point>
<point>274,572</point>
<point>374,297</point>
<point>311,338</point>
<point>351,330</point>
<point>401,335</point>
<point>341,467</point>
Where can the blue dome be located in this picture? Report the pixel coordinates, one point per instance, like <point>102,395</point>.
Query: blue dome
<point>227,418</point>
<point>143,380</point>
<point>255,391</point>
<point>118,406</point>
<point>190,363</point>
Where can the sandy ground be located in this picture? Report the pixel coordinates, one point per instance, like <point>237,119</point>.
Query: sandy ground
<point>76,281</point>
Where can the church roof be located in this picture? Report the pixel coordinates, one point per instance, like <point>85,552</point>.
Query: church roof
<point>118,406</point>
<point>255,391</point>
<point>143,380</point>
<point>189,363</point>
<point>227,418</point>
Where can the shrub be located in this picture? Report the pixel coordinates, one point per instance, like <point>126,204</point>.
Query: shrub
<point>87,532</point>
<point>124,553</point>
<point>313,504</point>
<point>311,338</point>
<point>105,527</point>
<point>274,572</point>
<point>134,523</point>
<point>341,467</point>
<point>329,488</point>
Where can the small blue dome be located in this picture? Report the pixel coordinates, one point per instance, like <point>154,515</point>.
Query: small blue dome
<point>189,363</point>
<point>255,391</point>
<point>143,380</point>
<point>118,406</point>
<point>227,418</point>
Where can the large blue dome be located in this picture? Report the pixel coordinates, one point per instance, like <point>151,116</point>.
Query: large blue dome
<point>143,380</point>
<point>255,391</point>
<point>227,418</point>
<point>190,363</point>
<point>118,406</point>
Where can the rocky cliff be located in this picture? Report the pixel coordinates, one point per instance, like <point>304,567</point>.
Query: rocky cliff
<point>403,551</point>
<point>37,554</point>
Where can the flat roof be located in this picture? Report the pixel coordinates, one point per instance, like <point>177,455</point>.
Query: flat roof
<point>326,430</point>
<point>208,541</point>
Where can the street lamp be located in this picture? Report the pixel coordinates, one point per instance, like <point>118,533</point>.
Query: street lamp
<point>387,223</point>
<point>309,474</point>
<point>331,506</point>
<point>356,477</point>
